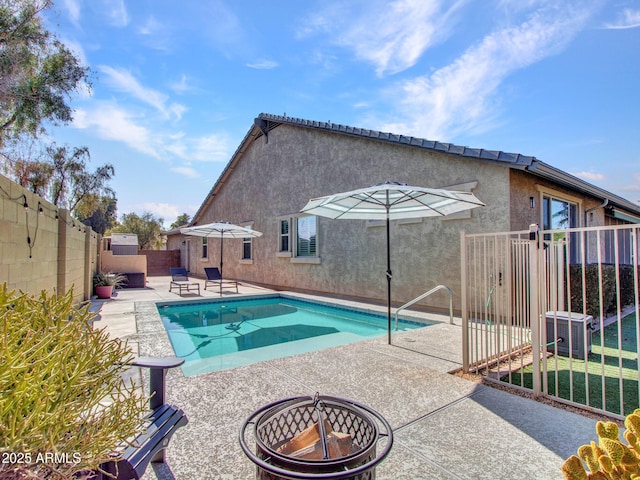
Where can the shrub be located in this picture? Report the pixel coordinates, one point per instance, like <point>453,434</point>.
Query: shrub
<point>64,407</point>
<point>609,459</point>
<point>591,290</point>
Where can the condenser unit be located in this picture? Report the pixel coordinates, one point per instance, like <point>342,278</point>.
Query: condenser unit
<point>558,334</point>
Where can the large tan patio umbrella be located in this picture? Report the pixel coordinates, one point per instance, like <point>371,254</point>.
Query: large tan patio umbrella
<point>220,230</point>
<point>389,201</point>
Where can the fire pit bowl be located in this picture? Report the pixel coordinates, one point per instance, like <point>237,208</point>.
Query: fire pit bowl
<point>319,437</point>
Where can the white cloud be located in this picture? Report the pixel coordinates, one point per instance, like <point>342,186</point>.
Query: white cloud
<point>590,176</point>
<point>390,35</point>
<point>228,34</point>
<point>73,9</point>
<point>177,110</point>
<point>181,86</point>
<point>626,185</point>
<point>186,171</point>
<point>113,123</point>
<point>157,35</point>
<point>263,65</point>
<point>166,211</point>
<point>633,186</point>
<point>461,97</point>
<point>110,121</point>
<point>211,148</point>
<point>628,19</point>
<point>150,26</point>
<point>116,12</point>
<point>122,80</point>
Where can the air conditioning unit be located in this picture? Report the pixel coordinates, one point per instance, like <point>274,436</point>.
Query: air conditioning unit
<point>558,328</point>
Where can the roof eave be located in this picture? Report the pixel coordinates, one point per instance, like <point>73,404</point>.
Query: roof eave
<point>558,176</point>
<point>496,157</point>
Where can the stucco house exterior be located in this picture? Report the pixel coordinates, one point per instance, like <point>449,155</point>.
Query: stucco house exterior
<point>282,162</point>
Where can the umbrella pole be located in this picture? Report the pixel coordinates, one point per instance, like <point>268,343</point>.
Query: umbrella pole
<point>388,281</point>
<point>221,246</point>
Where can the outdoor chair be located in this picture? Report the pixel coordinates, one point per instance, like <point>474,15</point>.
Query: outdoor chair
<point>180,280</point>
<point>215,278</point>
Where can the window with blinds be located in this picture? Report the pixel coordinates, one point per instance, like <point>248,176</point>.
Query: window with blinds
<point>306,236</point>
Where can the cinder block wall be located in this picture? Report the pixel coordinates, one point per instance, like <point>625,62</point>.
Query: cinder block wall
<point>43,247</point>
<point>160,261</point>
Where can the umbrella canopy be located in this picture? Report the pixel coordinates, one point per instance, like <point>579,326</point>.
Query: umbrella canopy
<point>388,201</point>
<point>220,230</point>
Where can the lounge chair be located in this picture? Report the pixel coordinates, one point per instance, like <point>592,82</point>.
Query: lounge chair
<point>214,278</point>
<point>180,280</point>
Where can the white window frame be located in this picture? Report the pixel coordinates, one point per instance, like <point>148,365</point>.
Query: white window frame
<point>561,197</point>
<point>295,256</point>
<point>574,247</point>
<point>247,241</point>
<point>280,252</point>
<point>204,249</point>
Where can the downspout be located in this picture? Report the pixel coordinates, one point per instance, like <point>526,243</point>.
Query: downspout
<point>588,211</point>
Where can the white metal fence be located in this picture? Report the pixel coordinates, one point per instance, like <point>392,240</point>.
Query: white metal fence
<point>555,312</point>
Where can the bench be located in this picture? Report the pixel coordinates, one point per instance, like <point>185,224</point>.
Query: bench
<point>164,420</point>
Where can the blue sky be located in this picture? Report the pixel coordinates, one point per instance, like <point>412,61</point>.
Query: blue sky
<point>176,85</point>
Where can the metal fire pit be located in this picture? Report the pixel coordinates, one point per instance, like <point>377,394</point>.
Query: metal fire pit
<point>279,422</point>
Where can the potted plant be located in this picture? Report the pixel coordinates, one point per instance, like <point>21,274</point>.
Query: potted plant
<point>105,282</point>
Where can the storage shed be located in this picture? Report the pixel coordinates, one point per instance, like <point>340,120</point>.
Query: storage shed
<point>122,243</point>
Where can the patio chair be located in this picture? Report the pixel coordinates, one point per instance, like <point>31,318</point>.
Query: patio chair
<point>215,278</point>
<point>180,280</point>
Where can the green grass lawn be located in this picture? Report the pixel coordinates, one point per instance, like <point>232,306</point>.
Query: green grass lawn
<point>603,366</point>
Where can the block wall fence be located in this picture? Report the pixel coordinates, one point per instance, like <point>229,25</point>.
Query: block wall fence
<point>43,247</point>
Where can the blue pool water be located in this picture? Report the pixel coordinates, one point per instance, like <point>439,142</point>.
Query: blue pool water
<point>225,334</point>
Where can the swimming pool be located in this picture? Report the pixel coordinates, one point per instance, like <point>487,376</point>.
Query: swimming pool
<point>224,334</point>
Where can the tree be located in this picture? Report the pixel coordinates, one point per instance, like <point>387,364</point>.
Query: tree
<point>182,220</point>
<point>38,75</point>
<point>71,182</point>
<point>34,176</point>
<point>98,212</point>
<point>37,72</point>
<point>61,176</point>
<point>146,226</point>
<point>23,160</point>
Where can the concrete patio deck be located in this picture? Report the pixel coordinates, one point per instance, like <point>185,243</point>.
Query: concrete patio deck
<point>444,427</point>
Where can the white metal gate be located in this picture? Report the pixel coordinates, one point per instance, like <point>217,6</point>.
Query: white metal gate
<point>555,312</point>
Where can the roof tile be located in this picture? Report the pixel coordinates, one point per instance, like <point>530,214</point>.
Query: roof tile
<point>489,155</point>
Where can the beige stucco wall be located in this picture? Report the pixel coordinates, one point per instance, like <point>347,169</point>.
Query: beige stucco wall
<point>524,186</point>
<point>179,242</point>
<point>276,178</point>
<point>60,254</point>
<point>123,263</point>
